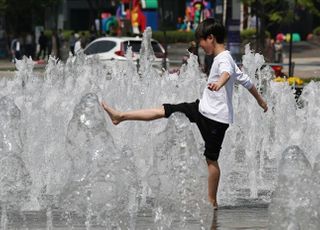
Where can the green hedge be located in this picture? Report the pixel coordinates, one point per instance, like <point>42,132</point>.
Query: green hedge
<point>173,36</point>
<point>313,78</point>
<point>67,33</point>
<point>251,33</point>
<point>316,31</point>
<point>247,34</point>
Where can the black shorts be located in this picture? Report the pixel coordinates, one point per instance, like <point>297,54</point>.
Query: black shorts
<point>211,131</point>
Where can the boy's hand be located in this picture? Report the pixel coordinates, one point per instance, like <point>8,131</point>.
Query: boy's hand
<point>214,86</point>
<point>263,105</point>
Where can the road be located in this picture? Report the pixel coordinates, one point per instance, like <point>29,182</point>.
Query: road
<point>306,57</point>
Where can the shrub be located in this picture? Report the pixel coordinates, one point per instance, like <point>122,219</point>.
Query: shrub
<point>316,31</point>
<point>313,78</point>
<point>47,33</point>
<point>172,36</point>
<point>247,34</point>
<point>250,33</point>
<point>67,33</point>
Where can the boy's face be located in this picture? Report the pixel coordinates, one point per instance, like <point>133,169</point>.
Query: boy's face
<point>207,44</point>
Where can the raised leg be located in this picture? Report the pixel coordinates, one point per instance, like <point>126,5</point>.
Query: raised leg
<point>139,115</point>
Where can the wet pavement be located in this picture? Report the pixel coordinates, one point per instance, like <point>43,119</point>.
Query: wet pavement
<point>226,218</point>
<point>306,58</point>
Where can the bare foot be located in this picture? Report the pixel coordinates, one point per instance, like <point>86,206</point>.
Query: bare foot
<point>114,115</point>
<point>213,203</point>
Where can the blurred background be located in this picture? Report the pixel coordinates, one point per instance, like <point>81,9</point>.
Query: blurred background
<point>272,27</point>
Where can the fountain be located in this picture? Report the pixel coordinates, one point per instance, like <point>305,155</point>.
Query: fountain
<point>64,158</point>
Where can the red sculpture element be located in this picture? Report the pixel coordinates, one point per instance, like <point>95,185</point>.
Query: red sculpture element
<point>138,20</point>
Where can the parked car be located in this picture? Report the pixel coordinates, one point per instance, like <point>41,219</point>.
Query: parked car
<point>114,48</point>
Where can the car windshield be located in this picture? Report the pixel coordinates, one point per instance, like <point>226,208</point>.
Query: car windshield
<point>136,46</point>
<point>99,47</point>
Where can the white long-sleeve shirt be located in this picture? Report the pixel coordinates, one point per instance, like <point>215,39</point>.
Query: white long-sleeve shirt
<point>217,105</point>
<point>77,47</point>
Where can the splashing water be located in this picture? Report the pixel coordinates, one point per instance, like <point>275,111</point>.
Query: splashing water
<point>292,204</point>
<point>15,181</point>
<point>72,158</point>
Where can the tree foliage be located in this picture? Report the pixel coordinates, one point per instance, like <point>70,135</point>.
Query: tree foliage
<point>278,14</point>
<point>3,5</point>
<point>281,11</point>
<point>21,15</point>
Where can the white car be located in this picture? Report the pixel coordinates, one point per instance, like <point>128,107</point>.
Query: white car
<point>115,48</point>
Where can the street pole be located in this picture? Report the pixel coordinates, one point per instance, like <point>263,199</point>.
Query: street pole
<point>164,34</point>
<point>165,50</point>
<point>257,26</point>
<point>293,6</point>
<point>290,52</point>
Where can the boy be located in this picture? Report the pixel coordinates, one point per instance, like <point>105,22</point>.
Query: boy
<point>213,112</point>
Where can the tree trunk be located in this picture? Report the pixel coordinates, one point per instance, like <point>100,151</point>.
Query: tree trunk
<point>92,16</point>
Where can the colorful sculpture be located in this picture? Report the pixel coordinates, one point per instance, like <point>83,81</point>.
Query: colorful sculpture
<point>138,20</point>
<point>123,11</point>
<point>131,12</point>
<point>197,14</point>
<point>196,11</point>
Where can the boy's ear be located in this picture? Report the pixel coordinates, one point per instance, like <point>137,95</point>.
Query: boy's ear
<point>211,37</point>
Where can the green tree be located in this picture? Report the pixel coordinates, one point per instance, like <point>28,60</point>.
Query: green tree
<point>22,15</point>
<point>278,12</point>
<point>3,5</point>
<point>281,11</point>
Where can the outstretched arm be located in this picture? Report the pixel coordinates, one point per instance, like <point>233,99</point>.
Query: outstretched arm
<point>263,104</point>
<point>215,86</point>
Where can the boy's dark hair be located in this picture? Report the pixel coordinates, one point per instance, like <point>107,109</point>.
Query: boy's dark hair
<point>210,26</point>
